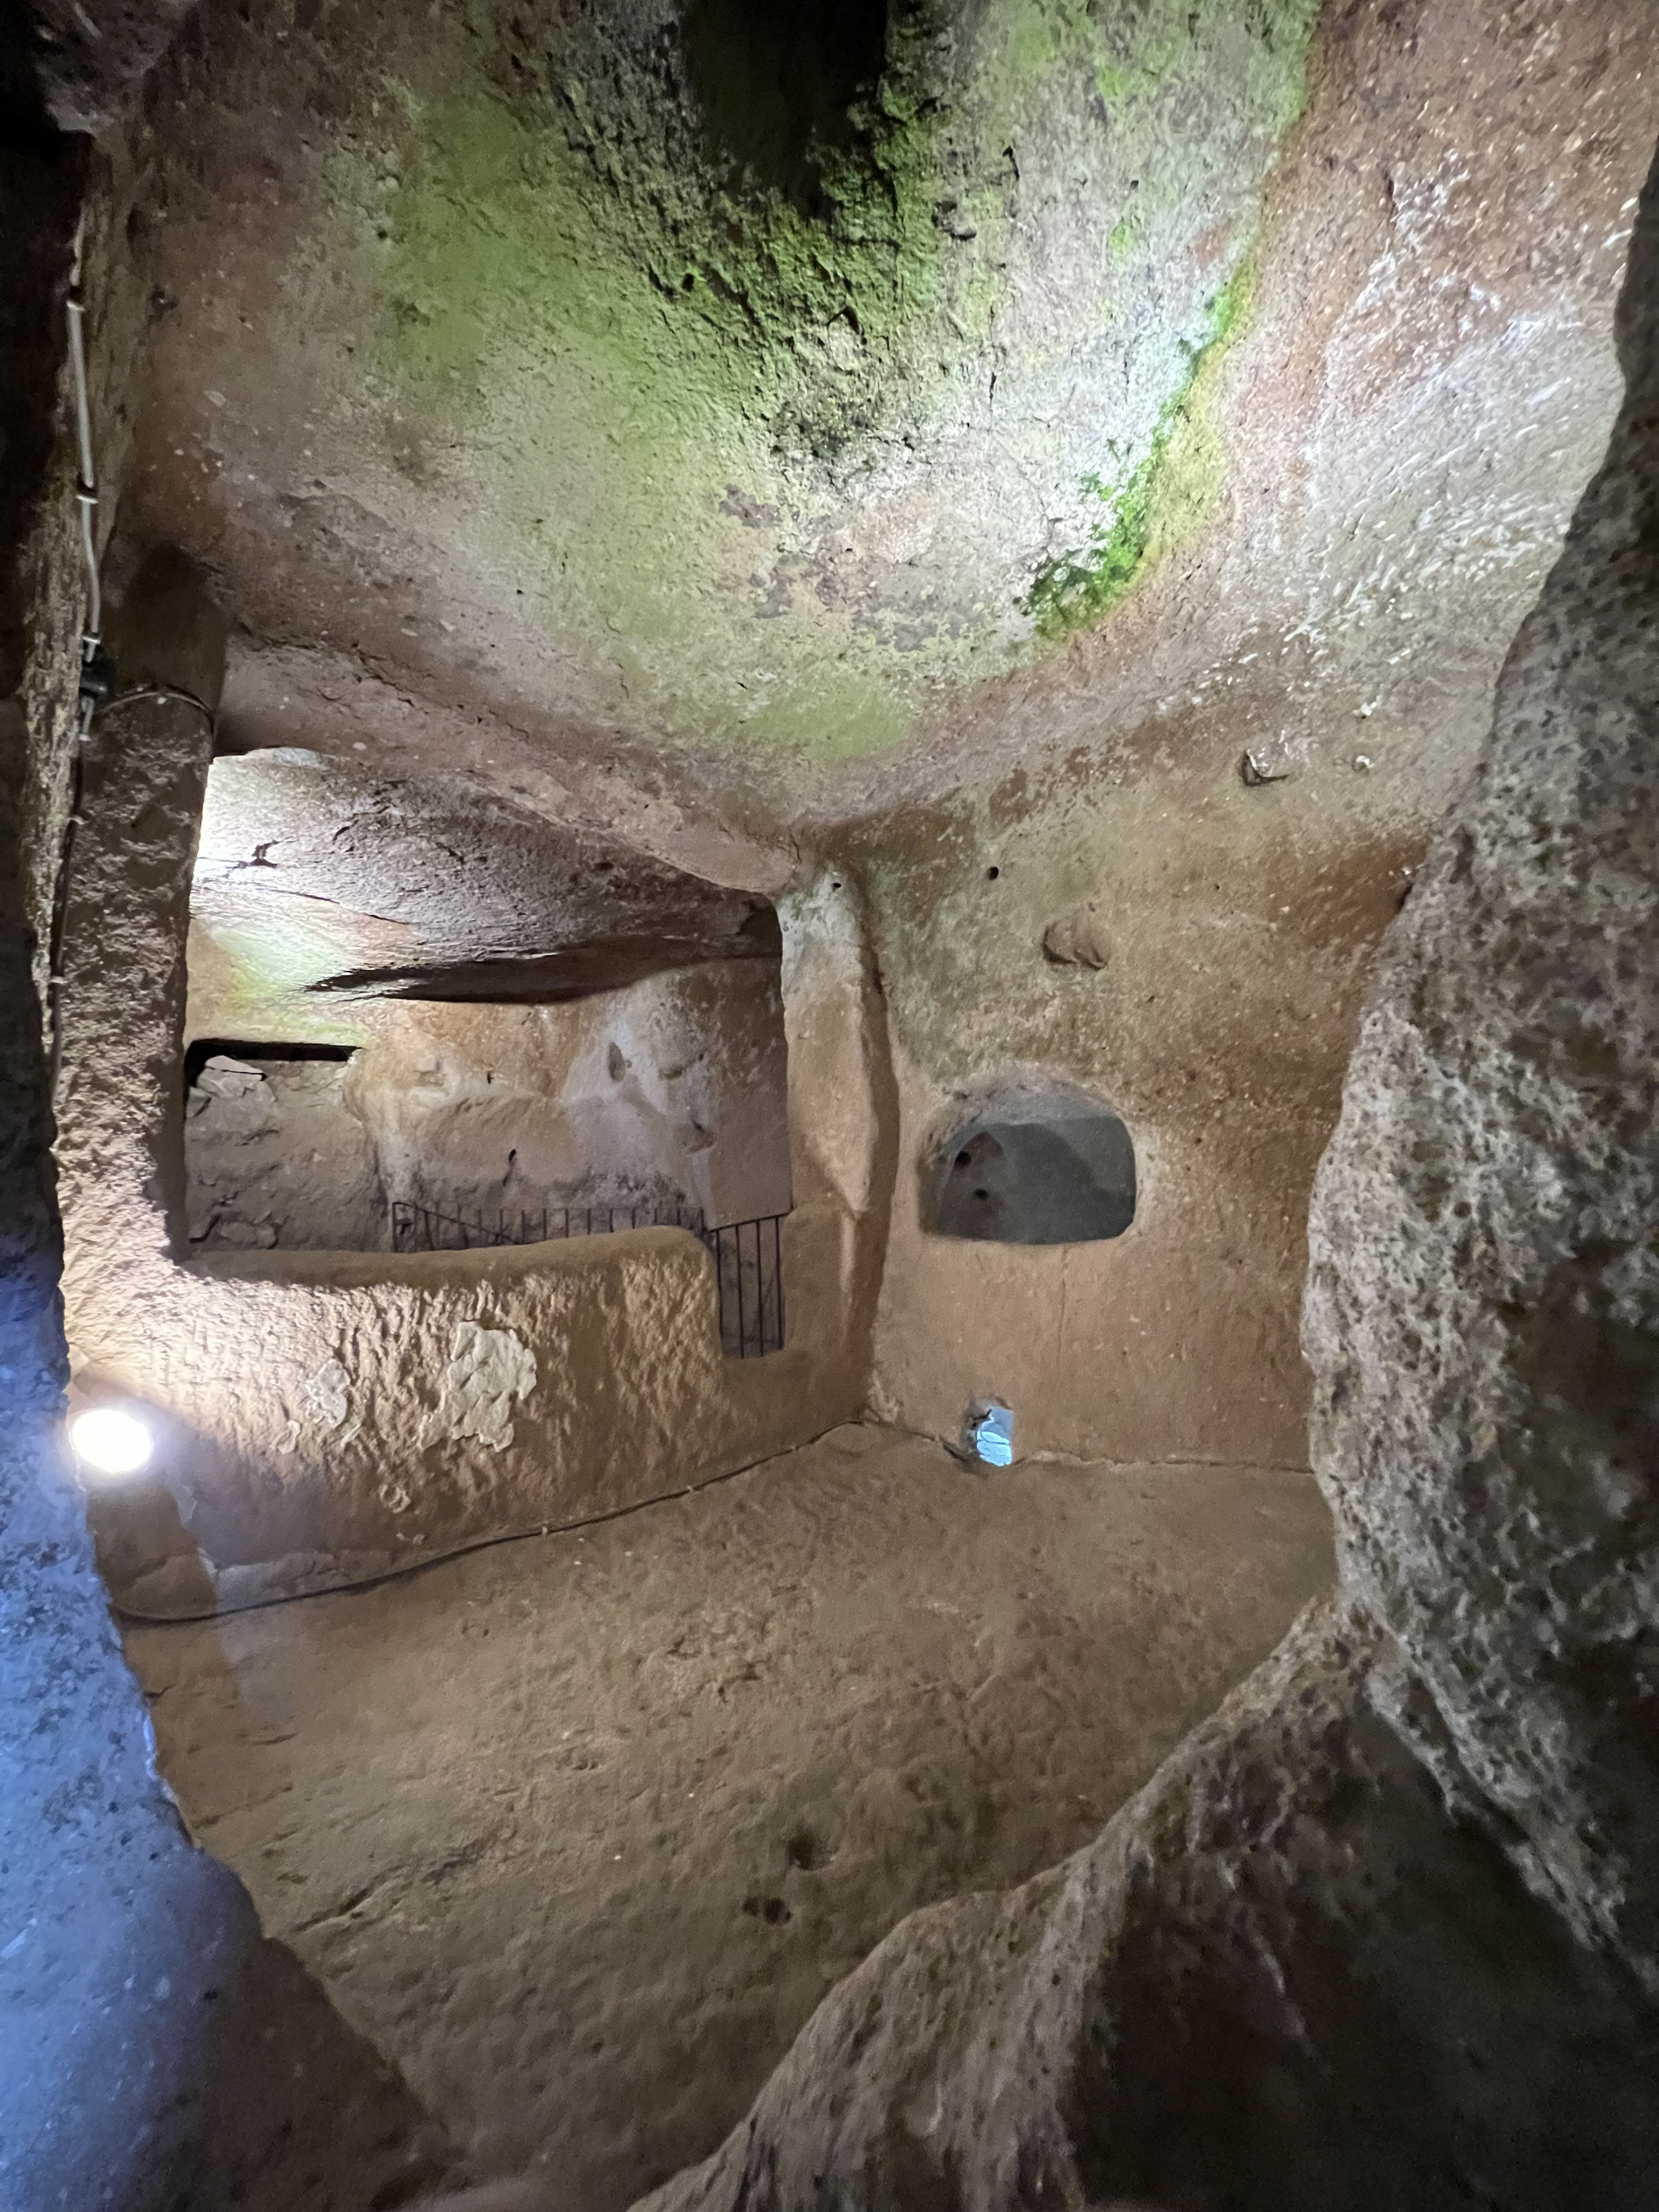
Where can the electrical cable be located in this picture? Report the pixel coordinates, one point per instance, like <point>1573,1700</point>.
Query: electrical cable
<point>60,897</point>
<point>170,694</point>
<point>86,488</point>
<point>97,682</point>
<point>463,1549</point>
<point>86,494</point>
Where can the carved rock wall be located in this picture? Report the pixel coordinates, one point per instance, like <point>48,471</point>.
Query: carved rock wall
<point>1380,1933</point>
<point>268,1481</point>
<point>158,2053</point>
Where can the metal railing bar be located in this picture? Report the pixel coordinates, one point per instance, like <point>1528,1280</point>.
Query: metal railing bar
<point>753,1329</point>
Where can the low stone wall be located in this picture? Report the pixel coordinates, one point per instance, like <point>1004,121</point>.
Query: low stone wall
<point>324,1417</point>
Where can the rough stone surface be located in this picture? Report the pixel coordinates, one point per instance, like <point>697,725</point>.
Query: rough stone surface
<point>1077,939</point>
<point>89,58</point>
<point>558,418</point>
<point>579,1830</point>
<point>313,878</point>
<point>258,1491</point>
<point>1483,1315</point>
<point>1439,238</point>
<point>736,475</point>
<point>253,1492</point>
<point>1425,386</point>
<point>739,454</point>
<point>677,1090</point>
<point>672,1094</point>
<point>490,1372</point>
<point>1381,1931</point>
<point>158,2056</point>
<point>273,1156</point>
<point>1281,1977</point>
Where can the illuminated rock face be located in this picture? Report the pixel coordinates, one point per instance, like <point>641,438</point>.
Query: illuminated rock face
<point>314,886</point>
<point>542,1018</point>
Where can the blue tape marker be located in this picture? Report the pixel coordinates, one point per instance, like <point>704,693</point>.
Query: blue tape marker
<point>988,1432</point>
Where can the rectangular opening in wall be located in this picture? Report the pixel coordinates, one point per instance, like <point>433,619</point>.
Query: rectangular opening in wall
<point>419,1020</point>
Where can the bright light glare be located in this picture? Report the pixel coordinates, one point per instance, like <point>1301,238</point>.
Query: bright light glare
<point>110,1440</point>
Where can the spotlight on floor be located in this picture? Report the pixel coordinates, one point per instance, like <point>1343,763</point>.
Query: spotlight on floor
<point>111,1441</point>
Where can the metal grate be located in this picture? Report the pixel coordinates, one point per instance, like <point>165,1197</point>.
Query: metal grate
<point>424,1229</point>
<point>748,1255</point>
<point>749,1267</point>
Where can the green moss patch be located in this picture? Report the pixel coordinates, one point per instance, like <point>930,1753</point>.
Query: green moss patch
<point>1160,503</point>
<point>696,318</point>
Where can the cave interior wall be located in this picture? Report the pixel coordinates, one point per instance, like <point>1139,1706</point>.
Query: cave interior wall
<point>1152,852</point>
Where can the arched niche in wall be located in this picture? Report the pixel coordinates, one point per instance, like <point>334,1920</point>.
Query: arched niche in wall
<point>1036,1167</point>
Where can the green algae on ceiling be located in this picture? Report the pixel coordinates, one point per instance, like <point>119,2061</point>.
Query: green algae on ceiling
<point>1161,501</point>
<point>797,367</point>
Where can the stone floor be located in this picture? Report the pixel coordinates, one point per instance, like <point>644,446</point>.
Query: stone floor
<point>580,1829</point>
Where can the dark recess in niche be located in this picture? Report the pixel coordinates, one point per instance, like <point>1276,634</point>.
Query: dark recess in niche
<point>206,1048</point>
<point>1032,1167</point>
<point>775,82</point>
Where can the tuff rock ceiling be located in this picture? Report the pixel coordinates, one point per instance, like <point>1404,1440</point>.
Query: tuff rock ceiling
<point>774,413</point>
